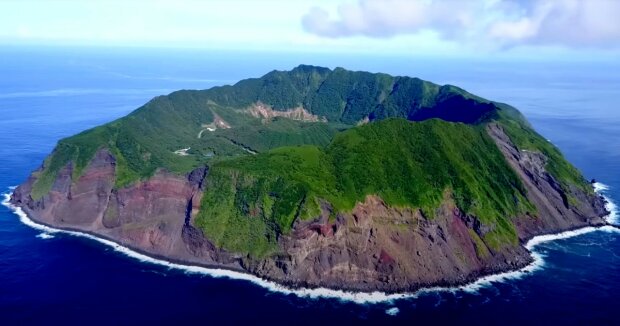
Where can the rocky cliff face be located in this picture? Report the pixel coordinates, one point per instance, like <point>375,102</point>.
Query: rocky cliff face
<point>152,216</point>
<point>555,213</point>
<point>374,247</point>
<point>379,247</point>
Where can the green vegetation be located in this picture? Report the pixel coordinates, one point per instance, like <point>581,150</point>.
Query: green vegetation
<point>304,166</point>
<point>407,164</point>
<point>146,139</point>
<point>481,248</point>
<point>78,149</point>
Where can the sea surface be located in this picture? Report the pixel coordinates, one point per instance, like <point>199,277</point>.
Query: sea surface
<point>47,277</point>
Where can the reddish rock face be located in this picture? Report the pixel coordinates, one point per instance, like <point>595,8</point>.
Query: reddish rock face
<point>82,203</point>
<point>385,258</point>
<point>150,216</point>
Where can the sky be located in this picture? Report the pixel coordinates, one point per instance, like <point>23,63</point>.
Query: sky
<point>552,29</point>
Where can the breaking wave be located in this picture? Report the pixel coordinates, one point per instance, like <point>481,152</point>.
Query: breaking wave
<point>314,293</point>
<point>602,189</point>
<point>392,311</point>
<point>44,236</point>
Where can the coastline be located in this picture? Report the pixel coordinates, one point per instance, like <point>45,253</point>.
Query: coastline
<point>536,263</point>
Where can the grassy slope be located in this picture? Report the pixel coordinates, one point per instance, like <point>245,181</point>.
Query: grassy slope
<point>407,164</point>
<point>146,139</point>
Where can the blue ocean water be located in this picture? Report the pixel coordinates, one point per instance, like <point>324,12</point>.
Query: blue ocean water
<point>50,93</point>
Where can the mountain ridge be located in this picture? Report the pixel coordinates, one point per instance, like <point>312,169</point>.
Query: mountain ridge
<point>145,124</point>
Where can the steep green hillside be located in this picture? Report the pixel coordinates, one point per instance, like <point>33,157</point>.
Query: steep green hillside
<point>408,164</point>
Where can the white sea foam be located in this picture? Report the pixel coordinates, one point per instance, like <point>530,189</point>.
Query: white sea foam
<point>392,311</point>
<point>358,297</point>
<point>613,216</point>
<point>602,189</point>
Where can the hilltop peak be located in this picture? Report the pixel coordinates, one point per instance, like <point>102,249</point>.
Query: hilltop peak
<point>310,68</point>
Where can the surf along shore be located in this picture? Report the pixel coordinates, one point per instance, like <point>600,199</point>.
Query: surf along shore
<point>536,263</point>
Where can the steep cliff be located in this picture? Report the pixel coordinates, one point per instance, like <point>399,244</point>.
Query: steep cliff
<point>391,205</point>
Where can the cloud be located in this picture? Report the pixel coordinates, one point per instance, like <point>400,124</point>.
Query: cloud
<point>386,18</point>
<point>573,23</point>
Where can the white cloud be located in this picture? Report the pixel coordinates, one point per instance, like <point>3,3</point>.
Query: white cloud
<point>419,27</point>
<point>389,17</point>
<point>168,23</point>
<point>573,23</point>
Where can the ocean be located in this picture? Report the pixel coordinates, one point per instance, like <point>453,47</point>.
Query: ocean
<point>51,277</point>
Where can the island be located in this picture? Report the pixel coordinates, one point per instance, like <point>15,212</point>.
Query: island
<point>316,177</point>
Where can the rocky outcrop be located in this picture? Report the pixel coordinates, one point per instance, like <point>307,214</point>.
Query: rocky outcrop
<point>78,205</point>
<point>265,112</point>
<point>374,247</point>
<point>555,213</point>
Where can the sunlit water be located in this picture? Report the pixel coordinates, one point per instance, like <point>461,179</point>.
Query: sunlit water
<point>47,94</point>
